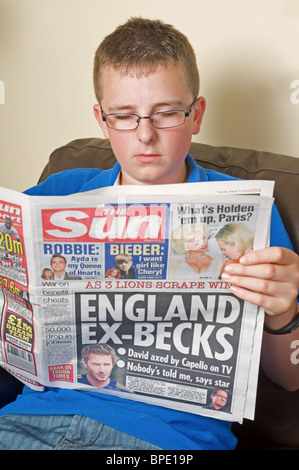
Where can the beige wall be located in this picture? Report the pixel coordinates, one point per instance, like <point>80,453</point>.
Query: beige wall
<point>247,55</point>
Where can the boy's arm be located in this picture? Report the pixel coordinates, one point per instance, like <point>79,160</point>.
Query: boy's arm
<point>270,278</point>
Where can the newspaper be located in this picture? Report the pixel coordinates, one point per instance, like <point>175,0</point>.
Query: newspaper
<point>135,270</point>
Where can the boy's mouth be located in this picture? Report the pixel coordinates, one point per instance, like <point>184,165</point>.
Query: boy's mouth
<point>147,158</point>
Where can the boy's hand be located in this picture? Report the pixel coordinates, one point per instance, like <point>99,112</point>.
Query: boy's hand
<point>268,278</point>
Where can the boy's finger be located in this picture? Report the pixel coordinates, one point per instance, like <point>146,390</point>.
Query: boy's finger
<point>270,271</point>
<point>254,284</point>
<point>275,255</point>
<point>270,303</point>
<point>256,270</point>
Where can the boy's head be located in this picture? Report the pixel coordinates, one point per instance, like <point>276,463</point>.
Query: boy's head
<point>235,239</point>
<point>147,83</point>
<point>139,45</point>
<point>124,262</point>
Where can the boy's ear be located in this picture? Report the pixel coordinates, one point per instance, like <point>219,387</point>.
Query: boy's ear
<point>199,110</point>
<point>98,116</point>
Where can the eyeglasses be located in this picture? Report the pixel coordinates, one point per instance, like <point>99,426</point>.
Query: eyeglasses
<point>160,120</point>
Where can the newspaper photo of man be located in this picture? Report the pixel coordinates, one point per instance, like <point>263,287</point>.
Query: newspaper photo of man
<point>219,398</point>
<point>99,360</point>
<point>58,265</point>
<point>7,229</point>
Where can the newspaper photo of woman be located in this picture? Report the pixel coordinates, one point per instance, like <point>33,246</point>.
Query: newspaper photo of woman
<point>234,239</point>
<point>112,273</point>
<point>47,274</point>
<point>192,256</point>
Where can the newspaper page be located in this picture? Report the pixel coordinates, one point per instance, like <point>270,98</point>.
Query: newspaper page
<point>119,290</point>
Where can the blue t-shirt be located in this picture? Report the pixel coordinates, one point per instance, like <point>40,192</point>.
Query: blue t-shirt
<point>163,427</point>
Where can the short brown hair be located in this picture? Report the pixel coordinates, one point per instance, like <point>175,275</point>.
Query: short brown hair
<point>98,348</point>
<point>141,44</point>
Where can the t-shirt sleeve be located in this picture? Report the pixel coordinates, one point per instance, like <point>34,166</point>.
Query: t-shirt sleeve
<point>278,233</point>
<point>63,183</point>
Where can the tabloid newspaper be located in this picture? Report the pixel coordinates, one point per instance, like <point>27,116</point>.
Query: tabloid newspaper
<point>119,291</point>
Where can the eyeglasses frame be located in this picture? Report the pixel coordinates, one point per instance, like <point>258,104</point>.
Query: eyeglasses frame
<point>186,113</point>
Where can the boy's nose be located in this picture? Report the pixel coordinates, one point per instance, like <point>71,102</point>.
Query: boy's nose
<point>146,132</point>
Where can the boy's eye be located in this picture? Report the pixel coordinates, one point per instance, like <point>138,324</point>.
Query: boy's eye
<point>122,117</point>
<point>167,114</point>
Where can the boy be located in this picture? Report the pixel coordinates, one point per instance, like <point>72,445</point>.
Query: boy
<point>125,265</point>
<point>147,86</point>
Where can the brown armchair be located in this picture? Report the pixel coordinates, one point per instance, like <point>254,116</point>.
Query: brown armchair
<point>277,411</point>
